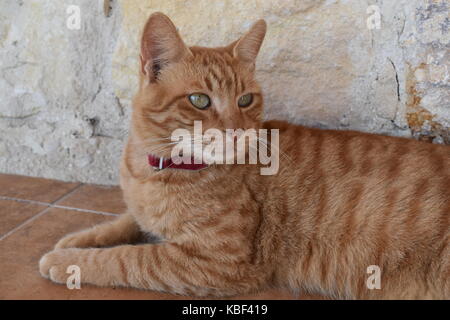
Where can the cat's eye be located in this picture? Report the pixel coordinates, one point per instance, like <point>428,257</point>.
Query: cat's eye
<point>245,100</point>
<point>200,100</point>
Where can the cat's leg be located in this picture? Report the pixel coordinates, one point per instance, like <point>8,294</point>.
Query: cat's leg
<point>122,230</point>
<point>163,267</point>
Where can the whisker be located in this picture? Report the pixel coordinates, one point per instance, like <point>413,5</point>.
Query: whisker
<point>267,143</point>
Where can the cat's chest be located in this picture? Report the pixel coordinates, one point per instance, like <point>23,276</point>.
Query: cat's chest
<point>162,209</point>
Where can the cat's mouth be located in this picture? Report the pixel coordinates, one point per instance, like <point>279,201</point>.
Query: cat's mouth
<point>195,153</point>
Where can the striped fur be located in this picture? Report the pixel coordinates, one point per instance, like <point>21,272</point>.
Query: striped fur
<point>341,201</point>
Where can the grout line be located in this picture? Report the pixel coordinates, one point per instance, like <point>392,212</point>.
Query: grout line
<point>25,201</point>
<point>48,207</point>
<point>67,194</point>
<point>85,210</point>
<point>24,223</point>
<point>51,205</point>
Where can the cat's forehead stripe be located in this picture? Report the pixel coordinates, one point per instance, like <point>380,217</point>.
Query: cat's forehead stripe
<point>220,71</point>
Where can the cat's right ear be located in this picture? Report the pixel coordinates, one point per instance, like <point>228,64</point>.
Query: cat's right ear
<point>160,45</point>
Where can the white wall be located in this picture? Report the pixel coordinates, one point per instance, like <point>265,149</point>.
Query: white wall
<point>65,94</point>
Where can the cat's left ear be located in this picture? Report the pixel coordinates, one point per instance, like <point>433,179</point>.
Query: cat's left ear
<point>161,45</point>
<point>247,47</point>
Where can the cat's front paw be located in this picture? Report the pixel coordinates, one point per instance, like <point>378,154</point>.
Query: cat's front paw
<point>76,240</point>
<point>54,265</point>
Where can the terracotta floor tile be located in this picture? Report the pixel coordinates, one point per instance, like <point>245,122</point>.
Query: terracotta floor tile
<point>20,253</point>
<point>14,213</point>
<point>98,198</point>
<point>37,189</point>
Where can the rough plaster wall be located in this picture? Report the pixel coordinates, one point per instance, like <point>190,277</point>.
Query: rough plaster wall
<point>59,116</point>
<point>66,94</point>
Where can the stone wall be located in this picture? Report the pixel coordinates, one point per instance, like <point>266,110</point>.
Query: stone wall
<point>65,93</point>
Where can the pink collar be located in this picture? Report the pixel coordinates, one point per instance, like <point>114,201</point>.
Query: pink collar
<point>163,163</point>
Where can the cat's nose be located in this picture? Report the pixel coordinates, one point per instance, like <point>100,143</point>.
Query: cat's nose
<point>233,121</point>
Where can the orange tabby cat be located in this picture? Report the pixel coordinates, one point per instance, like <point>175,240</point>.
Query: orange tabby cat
<point>341,201</point>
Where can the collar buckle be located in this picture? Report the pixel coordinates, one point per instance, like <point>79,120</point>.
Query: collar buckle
<point>161,164</point>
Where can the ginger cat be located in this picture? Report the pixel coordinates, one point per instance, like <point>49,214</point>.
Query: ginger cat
<point>340,202</point>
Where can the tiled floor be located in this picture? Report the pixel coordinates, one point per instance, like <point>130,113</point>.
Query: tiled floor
<point>35,213</point>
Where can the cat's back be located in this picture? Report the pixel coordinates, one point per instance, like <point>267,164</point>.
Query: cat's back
<point>385,200</point>
<point>353,153</point>
<point>362,169</point>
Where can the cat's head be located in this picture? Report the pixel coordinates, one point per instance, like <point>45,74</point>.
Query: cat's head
<point>180,84</point>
